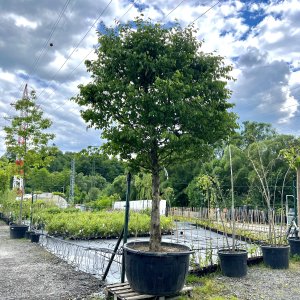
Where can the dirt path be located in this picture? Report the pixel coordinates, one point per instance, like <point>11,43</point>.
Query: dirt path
<point>27,271</point>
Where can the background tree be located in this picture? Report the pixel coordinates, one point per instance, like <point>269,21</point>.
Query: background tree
<point>157,98</point>
<point>292,155</point>
<point>29,126</point>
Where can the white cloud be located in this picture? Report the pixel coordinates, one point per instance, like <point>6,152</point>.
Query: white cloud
<point>21,21</point>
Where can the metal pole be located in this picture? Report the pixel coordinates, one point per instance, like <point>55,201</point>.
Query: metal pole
<point>31,208</point>
<point>232,201</point>
<point>126,224</point>
<point>113,255</point>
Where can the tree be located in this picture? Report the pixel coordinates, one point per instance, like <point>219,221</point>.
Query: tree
<point>256,131</point>
<point>292,155</point>
<point>157,98</point>
<point>26,137</point>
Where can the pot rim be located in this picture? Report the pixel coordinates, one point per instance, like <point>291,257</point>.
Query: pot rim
<point>18,226</point>
<point>269,246</point>
<point>294,238</point>
<point>226,251</point>
<point>185,249</point>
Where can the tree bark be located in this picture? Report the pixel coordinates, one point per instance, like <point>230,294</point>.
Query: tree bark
<point>155,230</point>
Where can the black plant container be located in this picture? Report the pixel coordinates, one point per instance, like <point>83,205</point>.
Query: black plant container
<point>156,273</point>
<point>294,246</point>
<point>28,233</point>
<point>17,231</point>
<point>233,263</point>
<point>35,237</point>
<point>276,257</point>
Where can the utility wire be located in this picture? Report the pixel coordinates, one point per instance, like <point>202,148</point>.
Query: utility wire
<point>211,7</point>
<point>45,46</point>
<point>72,52</point>
<point>53,91</point>
<point>172,10</point>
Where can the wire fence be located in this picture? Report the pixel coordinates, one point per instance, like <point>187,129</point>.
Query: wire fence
<point>204,230</point>
<point>93,260</point>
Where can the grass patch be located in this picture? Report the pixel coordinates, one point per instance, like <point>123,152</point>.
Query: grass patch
<point>207,288</point>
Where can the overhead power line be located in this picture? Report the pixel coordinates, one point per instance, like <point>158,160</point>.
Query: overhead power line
<point>172,10</point>
<point>76,47</point>
<point>69,75</point>
<point>45,47</point>
<point>204,13</point>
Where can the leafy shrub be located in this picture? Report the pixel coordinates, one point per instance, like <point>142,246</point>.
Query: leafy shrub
<point>101,224</point>
<point>104,202</point>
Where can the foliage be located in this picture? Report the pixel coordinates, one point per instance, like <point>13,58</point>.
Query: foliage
<point>10,207</point>
<point>157,98</point>
<point>105,202</point>
<point>29,125</point>
<point>26,138</point>
<point>7,170</point>
<point>102,224</point>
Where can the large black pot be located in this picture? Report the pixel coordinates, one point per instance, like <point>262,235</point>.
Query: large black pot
<point>233,263</point>
<point>276,257</point>
<point>17,231</point>
<point>156,273</point>
<point>34,237</point>
<point>294,246</point>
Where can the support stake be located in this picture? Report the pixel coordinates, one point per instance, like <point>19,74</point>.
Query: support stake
<point>126,224</point>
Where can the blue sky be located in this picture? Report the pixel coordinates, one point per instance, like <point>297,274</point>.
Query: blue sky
<point>261,39</point>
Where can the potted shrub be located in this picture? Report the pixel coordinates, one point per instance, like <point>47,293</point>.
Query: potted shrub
<point>293,157</point>
<point>275,250</point>
<point>26,139</point>
<point>233,261</point>
<point>158,100</point>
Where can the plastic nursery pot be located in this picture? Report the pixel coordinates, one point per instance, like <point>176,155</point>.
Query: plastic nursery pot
<point>17,231</point>
<point>233,263</point>
<point>276,257</point>
<point>27,234</point>
<point>156,273</point>
<point>34,237</point>
<point>294,246</point>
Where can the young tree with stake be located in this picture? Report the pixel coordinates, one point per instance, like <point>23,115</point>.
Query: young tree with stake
<point>26,137</point>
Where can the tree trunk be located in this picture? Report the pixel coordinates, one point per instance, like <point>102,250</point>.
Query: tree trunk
<point>155,231</point>
<point>298,195</point>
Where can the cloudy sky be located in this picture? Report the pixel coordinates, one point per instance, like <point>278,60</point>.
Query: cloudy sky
<point>261,39</point>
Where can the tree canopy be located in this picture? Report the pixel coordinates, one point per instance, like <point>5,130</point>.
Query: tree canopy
<point>157,98</point>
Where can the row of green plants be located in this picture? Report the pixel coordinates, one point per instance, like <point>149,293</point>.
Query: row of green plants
<point>100,224</point>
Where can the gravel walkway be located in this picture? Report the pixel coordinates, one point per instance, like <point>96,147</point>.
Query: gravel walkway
<point>262,283</point>
<point>27,271</point>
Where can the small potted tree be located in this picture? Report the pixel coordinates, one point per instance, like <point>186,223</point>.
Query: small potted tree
<point>275,250</point>
<point>26,140</point>
<point>158,100</point>
<point>233,260</point>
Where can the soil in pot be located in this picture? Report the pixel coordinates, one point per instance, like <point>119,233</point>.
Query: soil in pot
<point>294,246</point>
<point>233,263</point>
<point>17,231</point>
<point>276,257</point>
<point>156,273</point>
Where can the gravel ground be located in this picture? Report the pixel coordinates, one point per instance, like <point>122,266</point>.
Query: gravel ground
<point>27,271</point>
<point>264,283</point>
